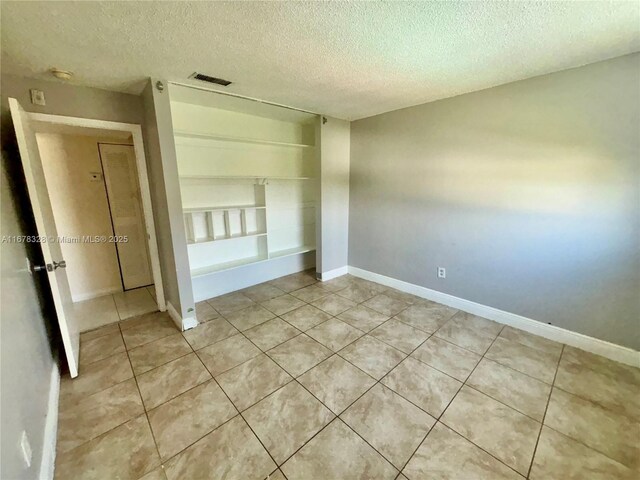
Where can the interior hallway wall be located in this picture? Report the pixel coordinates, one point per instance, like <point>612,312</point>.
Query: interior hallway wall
<point>81,208</point>
<point>528,194</point>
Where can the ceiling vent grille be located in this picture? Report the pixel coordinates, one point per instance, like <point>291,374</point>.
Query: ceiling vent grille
<point>206,78</point>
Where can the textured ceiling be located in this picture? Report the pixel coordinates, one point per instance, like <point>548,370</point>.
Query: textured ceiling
<point>346,59</point>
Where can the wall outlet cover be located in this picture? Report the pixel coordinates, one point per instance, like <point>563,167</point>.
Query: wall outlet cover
<point>37,97</point>
<point>442,272</point>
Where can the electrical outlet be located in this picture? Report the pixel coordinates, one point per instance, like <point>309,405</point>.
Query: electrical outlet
<point>25,446</point>
<point>442,272</point>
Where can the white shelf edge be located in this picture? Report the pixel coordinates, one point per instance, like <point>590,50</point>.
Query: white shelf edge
<point>219,209</point>
<point>222,239</point>
<point>222,267</point>
<point>229,138</point>
<point>243,177</point>
<point>291,251</point>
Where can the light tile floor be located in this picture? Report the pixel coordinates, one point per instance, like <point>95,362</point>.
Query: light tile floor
<point>345,379</point>
<point>112,308</point>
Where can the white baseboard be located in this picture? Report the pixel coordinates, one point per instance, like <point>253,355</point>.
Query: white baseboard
<point>335,273</point>
<point>600,347</point>
<point>182,323</point>
<point>98,293</point>
<point>48,462</point>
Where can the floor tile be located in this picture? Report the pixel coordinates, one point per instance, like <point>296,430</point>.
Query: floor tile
<point>399,335</point>
<point>389,423</point>
<point>101,331</point>
<point>231,452</point>
<point>250,382</point>
<point>209,333</point>
<point>426,387</point>
<point>334,334</point>
<point>501,431</point>
<point>271,333</point>
<point>293,282</point>
<point>283,304</point>
<point>469,331</point>
<point>448,456</point>
<point>372,356</point>
<point>336,284</point>
<point>530,340</point>
<point>610,391</point>
<point>560,458</point>
<point>375,287</point>
<point>188,417</point>
<point>519,391</point>
<point>333,304</point>
<point>100,348</point>
<point>602,365</point>
<point>134,302</point>
<point>227,353</point>
<point>94,313</point>
<point>357,293</point>
<point>90,416</point>
<point>152,291</point>
<point>530,361</point>
<point>170,380</point>
<point>299,354</point>
<point>338,453</point>
<point>249,317</point>
<point>138,320</point>
<point>287,419</point>
<point>310,294</point>
<point>336,383</point>
<point>386,305</point>
<point>363,318</point>
<point>447,357</point>
<point>230,302</point>
<point>610,433</point>
<point>426,316</point>
<point>205,312</point>
<point>155,474</point>
<point>152,355</point>
<point>277,475</point>
<point>306,317</point>
<point>95,377</point>
<point>262,292</point>
<point>127,452</point>
<point>404,296</point>
<point>158,326</point>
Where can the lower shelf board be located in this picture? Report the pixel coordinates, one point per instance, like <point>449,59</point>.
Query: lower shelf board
<point>220,267</point>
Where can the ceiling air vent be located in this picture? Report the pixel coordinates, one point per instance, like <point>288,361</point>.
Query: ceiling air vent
<point>208,79</point>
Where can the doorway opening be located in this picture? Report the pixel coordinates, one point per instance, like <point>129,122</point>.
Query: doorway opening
<point>88,186</point>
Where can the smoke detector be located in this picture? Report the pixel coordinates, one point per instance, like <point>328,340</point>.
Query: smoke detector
<point>61,74</point>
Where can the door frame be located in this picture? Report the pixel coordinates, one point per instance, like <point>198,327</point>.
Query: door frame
<point>143,180</point>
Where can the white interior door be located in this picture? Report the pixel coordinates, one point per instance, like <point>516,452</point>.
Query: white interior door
<point>121,178</point>
<point>43,213</point>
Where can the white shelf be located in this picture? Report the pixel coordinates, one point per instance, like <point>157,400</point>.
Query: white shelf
<point>220,209</point>
<point>220,267</point>
<point>228,138</point>
<point>222,239</point>
<point>238,177</point>
<point>291,251</point>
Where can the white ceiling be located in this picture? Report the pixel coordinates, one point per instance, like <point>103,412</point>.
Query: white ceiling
<point>345,59</point>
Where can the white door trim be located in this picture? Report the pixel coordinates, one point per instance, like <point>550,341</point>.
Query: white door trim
<point>612,351</point>
<point>136,133</point>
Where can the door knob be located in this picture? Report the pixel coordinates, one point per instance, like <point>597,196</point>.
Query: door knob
<point>50,267</point>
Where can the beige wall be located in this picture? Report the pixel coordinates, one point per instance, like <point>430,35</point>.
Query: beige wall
<point>528,193</point>
<point>80,208</point>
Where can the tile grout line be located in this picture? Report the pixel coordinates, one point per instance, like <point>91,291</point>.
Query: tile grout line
<point>535,448</point>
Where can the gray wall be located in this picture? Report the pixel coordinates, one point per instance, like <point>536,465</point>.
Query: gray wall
<point>335,138</point>
<point>528,193</point>
<point>28,328</point>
